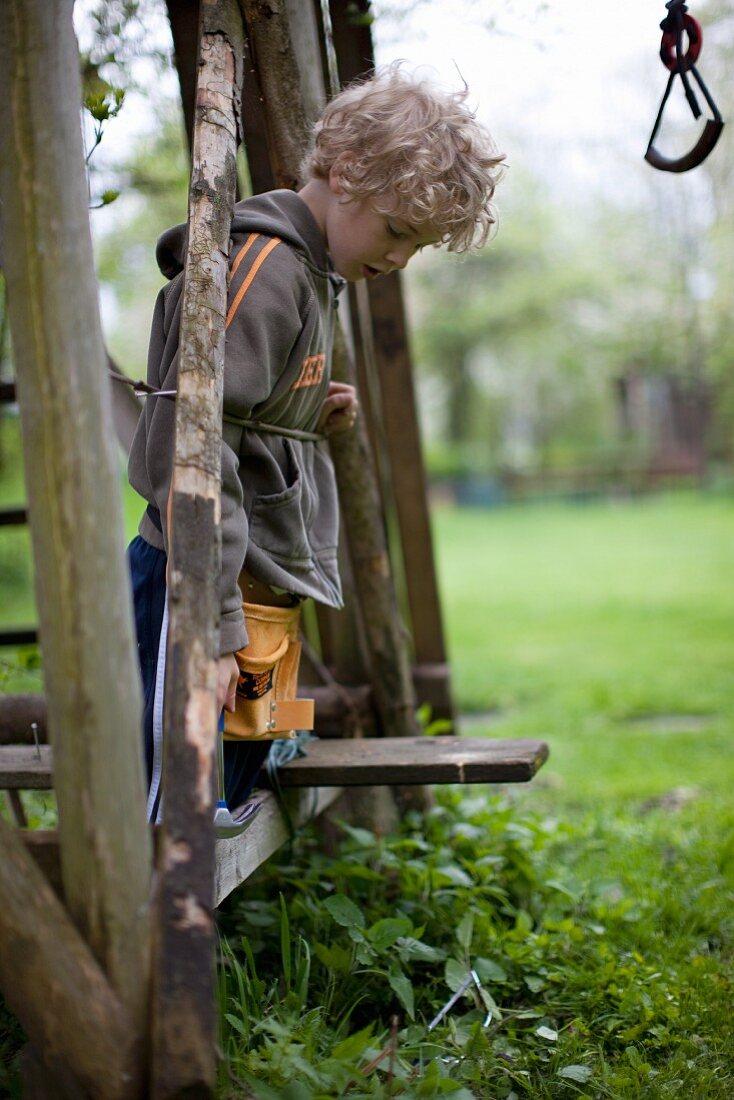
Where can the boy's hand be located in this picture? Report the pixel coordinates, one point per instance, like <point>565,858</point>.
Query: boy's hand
<point>227,677</point>
<point>339,410</point>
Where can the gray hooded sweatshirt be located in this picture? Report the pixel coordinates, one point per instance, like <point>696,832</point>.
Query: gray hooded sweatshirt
<point>279,503</point>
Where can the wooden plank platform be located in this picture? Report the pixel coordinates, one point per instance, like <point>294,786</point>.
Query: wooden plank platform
<point>403,761</point>
<point>372,761</point>
<point>315,781</point>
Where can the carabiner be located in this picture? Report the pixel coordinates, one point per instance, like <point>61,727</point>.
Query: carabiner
<point>680,64</point>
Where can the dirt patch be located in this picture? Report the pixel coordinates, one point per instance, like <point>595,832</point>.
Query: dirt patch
<point>672,800</point>
<point>670,723</point>
<point>483,719</point>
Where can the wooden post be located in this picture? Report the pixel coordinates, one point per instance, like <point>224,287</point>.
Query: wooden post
<point>361,508</point>
<point>391,357</point>
<point>72,476</point>
<point>278,65</point>
<point>184,1017</point>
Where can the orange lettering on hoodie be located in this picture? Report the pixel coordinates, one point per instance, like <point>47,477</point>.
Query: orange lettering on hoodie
<point>312,371</point>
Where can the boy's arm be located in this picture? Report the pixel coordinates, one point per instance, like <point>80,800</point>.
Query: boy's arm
<point>260,335</point>
<point>263,325</point>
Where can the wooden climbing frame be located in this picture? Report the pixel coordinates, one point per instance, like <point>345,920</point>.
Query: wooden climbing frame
<point>85,901</point>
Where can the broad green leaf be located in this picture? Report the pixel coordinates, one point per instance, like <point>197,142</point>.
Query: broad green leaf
<point>455,973</point>
<point>363,837</point>
<point>465,931</point>
<point>384,933</point>
<point>236,1023</point>
<point>490,1004</point>
<point>401,986</point>
<point>344,911</point>
<point>534,982</point>
<point>455,875</point>
<point>334,958</point>
<point>576,1073</point>
<point>490,971</point>
<point>354,1045</point>
<point>547,1033</point>
<point>411,948</point>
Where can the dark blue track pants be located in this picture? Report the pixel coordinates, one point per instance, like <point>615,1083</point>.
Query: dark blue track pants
<point>242,759</point>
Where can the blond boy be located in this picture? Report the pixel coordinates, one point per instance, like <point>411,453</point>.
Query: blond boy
<point>396,165</point>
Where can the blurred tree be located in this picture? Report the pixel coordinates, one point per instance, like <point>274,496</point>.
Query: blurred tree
<point>513,334</point>
<point>527,342</point>
<point>153,183</point>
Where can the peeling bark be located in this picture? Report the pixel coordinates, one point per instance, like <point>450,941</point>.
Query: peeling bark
<point>184,1017</point>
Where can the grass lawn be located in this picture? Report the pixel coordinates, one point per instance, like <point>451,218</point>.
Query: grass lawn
<point>595,903</point>
<point>606,629</point>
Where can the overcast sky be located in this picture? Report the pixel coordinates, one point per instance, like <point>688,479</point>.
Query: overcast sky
<point>571,87</point>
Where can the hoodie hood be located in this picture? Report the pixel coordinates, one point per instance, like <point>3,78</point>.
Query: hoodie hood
<point>276,214</point>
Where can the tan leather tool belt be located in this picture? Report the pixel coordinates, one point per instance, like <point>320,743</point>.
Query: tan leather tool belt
<point>266,706</point>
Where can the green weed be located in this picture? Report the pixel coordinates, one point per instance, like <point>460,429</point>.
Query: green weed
<point>616,982</point>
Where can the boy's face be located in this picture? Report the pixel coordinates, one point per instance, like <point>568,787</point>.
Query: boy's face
<point>364,243</point>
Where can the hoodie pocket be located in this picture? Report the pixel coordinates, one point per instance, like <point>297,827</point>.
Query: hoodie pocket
<point>279,522</point>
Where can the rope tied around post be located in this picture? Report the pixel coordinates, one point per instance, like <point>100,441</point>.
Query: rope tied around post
<point>680,63</point>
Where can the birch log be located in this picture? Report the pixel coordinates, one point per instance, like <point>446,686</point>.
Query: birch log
<point>72,477</point>
<point>184,1018</point>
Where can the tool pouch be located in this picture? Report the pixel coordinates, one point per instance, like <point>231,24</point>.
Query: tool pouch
<point>266,707</point>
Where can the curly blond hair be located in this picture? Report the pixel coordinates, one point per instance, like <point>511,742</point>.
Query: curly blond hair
<point>415,151</point>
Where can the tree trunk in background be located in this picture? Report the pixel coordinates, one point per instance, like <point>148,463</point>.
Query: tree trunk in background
<point>72,475</point>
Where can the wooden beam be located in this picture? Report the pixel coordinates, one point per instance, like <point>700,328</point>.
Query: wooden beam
<point>16,809</point>
<point>410,487</point>
<point>22,768</point>
<point>18,635</point>
<point>184,1027</point>
<point>183,15</point>
<point>238,857</point>
<point>365,533</point>
<point>281,86</point>
<point>18,713</point>
<point>43,846</point>
<point>52,982</point>
<point>334,705</point>
<point>13,517</point>
<point>72,476</point>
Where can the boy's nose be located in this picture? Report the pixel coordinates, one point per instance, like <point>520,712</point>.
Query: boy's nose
<point>398,256</point>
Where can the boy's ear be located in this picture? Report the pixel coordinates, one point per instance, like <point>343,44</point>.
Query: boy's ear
<point>335,180</point>
<point>337,173</point>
